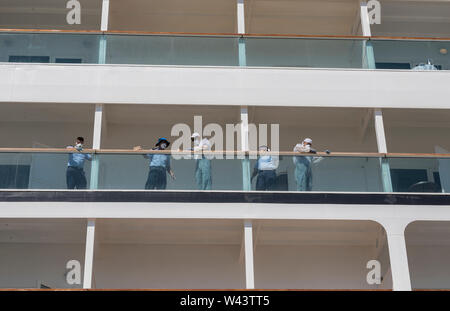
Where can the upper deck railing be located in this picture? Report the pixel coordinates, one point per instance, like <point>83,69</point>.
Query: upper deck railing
<point>219,34</point>
<point>222,49</point>
<point>108,169</point>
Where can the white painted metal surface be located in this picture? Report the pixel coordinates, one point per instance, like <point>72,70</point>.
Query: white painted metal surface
<point>89,254</point>
<point>98,119</point>
<point>379,131</point>
<point>365,22</point>
<point>249,265</point>
<point>395,231</point>
<point>244,129</point>
<point>240,16</point>
<point>379,213</point>
<point>105,15</point>
<point>211,85</point>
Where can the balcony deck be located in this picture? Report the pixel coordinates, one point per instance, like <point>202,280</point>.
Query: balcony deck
<point>253,197</point>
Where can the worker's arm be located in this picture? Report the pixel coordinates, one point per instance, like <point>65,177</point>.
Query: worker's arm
<point>137,148</point>
<point>255,171</point>
<point>275,161</point>
<point>317,160</point>
<point>169,170</point>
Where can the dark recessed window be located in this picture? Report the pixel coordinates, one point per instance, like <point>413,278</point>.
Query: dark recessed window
<point>29,59</point>
<point>14,176</point>
<point>393,65</point>
<point>68,60</point>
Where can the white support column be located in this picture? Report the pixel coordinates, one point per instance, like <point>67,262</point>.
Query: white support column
<point>246,182</point>
<point>382,148</point>
<point>368,54</point>
<point>105,15</point>
<point>241,30</point>
<point>244,128</point>
<point>398,256</point>
<point>365,21</point>
<point>240,17</point>
<point>103,27</point>
<point>379,131</point>
<point>98,119</point>
<point>248,245</point>
<point>96,144</point>
<point>89,254</point>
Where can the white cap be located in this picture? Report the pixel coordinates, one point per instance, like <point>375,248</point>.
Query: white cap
<point>307,140</point>
<point>195,135</point>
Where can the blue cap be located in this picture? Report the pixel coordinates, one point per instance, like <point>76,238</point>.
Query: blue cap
<point>162,139</point>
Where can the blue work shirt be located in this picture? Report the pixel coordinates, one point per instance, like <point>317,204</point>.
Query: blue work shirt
<point>265,163</point>
<point>159,160</point>
<point>77,159</point>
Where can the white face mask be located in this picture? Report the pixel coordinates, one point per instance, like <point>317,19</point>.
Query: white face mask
<point>79,145</point>
<point>163,146</point>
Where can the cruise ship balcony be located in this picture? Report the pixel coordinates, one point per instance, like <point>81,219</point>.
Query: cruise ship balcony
<point>34,136</point>
<point>171,253</point>
<point>374,99</point>
<point>354,187</point>
<point>223,70</point>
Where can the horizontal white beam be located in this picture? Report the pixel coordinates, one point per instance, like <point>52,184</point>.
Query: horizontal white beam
<point>235,86</point>
<point>250,211</point>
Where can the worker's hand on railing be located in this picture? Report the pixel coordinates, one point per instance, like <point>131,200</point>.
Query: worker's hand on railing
<point>137,148</point>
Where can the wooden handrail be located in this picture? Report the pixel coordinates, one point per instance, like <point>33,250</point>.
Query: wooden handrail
<point>207,34</point>
<point>228,152</point>
<point>14,30</point>
<point>417,155</point>
<point>402,38</point>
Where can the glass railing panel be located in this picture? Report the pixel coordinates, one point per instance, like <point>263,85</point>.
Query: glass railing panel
<point>15,170</point>
<point>316,173</point>
<point>132,171</point>
<point>36,170</point>
<point>301,52</point>
<point>408,55</point>
<point>223,51</point>
<point>420,174</point>
<point>49,48</point>
<point>172,50</point>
